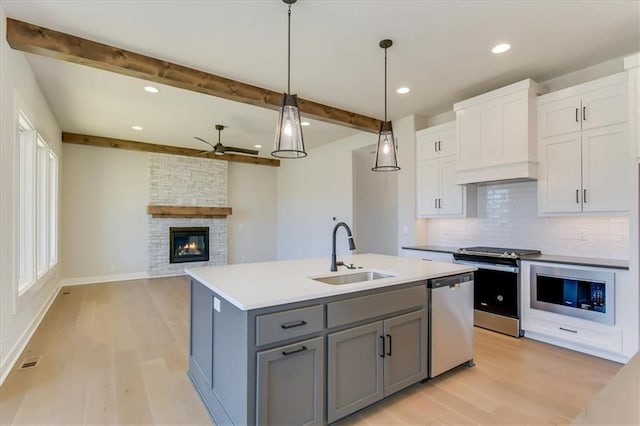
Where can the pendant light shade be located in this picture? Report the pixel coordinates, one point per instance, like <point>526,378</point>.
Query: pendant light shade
<point>386,151</point>
<point>289,142</point>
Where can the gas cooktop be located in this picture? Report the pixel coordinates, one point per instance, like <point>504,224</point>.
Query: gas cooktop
<point>511,253</point>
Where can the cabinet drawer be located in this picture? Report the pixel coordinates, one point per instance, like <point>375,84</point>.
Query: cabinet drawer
<point>362,308</point>
<point>289,324</point>
<point>609,340</point>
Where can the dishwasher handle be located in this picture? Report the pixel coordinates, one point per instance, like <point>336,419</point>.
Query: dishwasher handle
<point>452,281</point>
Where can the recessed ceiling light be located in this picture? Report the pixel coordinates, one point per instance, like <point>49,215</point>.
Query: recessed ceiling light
<point>403,90</point>
<point>151,89</point>
<point>501,48</point>
<point>136,127</point>
<point>305,123</point>
<point>257,146</point>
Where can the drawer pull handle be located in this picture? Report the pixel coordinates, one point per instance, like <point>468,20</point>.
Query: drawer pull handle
<point>584,113</point>
<point>389,351</point>
<point>295,351</point>
<point>382,355</point>
<point>569,330</point>
<point>484,304</point>
<point>577,121</point>
<point>293,324</point>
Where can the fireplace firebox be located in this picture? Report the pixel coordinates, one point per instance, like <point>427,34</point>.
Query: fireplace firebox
<point>188,244</point>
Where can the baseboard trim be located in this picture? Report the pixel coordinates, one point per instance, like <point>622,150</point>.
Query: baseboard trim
<point>65,282</point>
<point>7,364</point>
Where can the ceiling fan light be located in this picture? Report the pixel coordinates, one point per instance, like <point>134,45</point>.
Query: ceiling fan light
<point>289,142</point>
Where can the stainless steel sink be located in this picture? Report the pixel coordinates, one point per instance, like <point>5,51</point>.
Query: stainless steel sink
<point>352,278</point>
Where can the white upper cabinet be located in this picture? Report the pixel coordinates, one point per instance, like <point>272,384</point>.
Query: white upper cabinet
<point>496,135</point>
<point>584,148</point>
<point>437,193</point>
<point>632,66</point>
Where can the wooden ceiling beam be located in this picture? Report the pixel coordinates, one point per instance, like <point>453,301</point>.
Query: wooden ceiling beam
<point>54,44</point>
<point>99,141</point>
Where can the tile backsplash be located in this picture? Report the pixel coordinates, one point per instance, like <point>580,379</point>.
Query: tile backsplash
<point>507,217</point>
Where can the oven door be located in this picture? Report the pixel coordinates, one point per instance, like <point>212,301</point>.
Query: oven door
<point>495,288</point>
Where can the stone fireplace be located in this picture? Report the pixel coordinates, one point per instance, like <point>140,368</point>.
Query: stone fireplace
<point>193,187</point>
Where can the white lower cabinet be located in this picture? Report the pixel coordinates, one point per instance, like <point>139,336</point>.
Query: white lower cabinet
<point>580,328</point>
<point>436,256</point>
<point>579,332</point>
<point>370,362</point>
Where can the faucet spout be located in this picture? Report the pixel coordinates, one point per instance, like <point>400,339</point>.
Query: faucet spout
<point>352,244</point>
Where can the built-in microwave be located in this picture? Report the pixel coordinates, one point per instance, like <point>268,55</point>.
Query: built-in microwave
<point>582,293</point>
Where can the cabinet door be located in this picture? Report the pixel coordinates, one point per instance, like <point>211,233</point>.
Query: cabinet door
<point>451,195</point>
<point>427,188</point>
<point>355,367</point>
<point>447,142</point>
<point>427,146</point>
<point>559,117</point>
<point>560,182</point>
<point>604,107</point>
<point>405,351</point>
<point>606,169</point>
<point>201,345</point>
<point>290,384</point>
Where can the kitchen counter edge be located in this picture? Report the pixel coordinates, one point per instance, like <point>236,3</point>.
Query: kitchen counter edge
<point>582,261</point>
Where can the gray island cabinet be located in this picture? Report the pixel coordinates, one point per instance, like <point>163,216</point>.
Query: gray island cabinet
<point>298,351</point>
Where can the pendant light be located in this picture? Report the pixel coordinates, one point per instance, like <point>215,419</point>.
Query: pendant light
<point>289,142</point>
<point>386,152</point>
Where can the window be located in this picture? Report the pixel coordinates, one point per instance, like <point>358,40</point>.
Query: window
<point>38,206</point>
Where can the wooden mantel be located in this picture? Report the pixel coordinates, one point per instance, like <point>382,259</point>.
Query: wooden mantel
<point>188,211</point>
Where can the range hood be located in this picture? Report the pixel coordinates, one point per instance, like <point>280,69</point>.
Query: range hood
<point>496,135</point>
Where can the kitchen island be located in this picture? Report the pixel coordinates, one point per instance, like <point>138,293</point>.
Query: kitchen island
<point>271,343</point>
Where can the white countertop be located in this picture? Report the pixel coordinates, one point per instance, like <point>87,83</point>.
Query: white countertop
<point>260,285</point>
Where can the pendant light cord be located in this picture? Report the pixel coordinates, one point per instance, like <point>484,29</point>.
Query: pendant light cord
<point>385,84</point>
<point>289,53</point>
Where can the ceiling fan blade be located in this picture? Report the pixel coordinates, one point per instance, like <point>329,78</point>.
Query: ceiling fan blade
<point>241,150</point>
<point>202,140</point>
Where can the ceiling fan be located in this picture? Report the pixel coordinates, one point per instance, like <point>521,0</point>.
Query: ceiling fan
<point>219,149</point>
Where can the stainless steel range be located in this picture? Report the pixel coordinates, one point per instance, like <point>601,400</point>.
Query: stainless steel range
<point>496,286</point>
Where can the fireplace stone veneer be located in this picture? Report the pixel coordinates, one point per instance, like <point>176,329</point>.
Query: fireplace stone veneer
<point>185,181</point>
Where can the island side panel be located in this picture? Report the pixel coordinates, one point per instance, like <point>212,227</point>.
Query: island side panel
<point>230,360</point>
<point>225,390</point>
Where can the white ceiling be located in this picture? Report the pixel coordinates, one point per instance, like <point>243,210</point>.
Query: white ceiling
<point>441,51</point>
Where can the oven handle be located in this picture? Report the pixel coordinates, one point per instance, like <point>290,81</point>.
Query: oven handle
<point>491,266</point>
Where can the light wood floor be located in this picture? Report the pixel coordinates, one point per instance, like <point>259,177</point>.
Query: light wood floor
<point>117,354</point>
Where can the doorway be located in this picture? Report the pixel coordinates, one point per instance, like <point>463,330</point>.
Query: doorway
<point>375,205</point>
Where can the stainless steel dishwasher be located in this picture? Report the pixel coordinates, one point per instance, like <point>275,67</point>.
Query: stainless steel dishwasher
<point>450,322</point>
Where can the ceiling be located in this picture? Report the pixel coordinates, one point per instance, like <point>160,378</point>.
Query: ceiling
<point>441,51</point>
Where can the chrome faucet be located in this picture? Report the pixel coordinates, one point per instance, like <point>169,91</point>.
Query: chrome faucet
<point>352,245</point>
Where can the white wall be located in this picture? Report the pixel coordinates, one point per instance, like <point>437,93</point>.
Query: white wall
<point>311,192</point>
<point>19,89</point>
<point>104,201</point>
<point>252,224</point>
<point>375,205</point>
